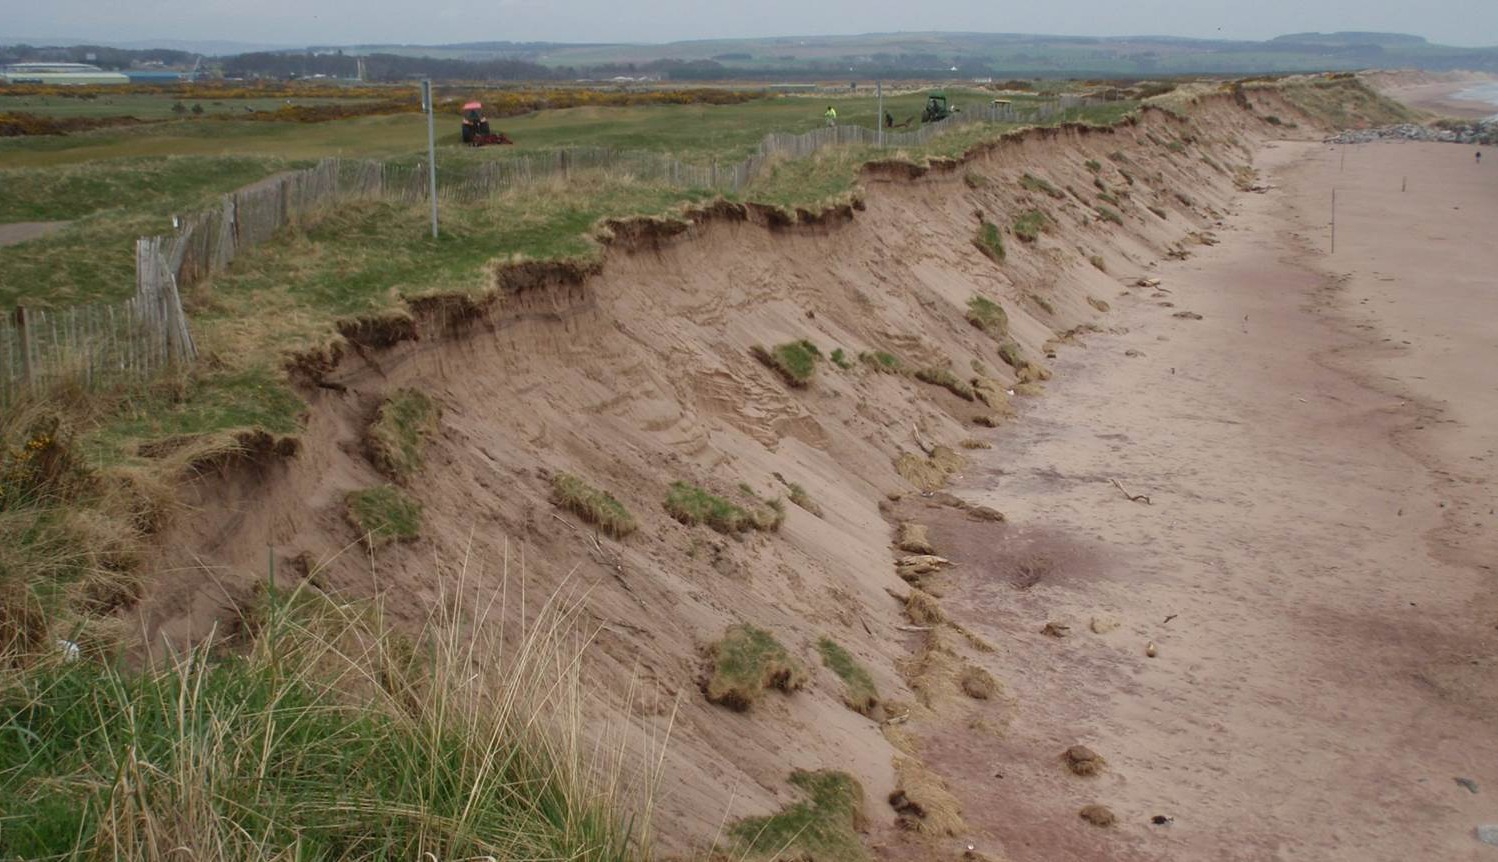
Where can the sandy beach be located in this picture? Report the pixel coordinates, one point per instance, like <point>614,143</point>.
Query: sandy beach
<point>1447,98</point>
<point>1313,566</point>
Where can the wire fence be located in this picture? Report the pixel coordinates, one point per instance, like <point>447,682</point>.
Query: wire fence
<point>100,345</point>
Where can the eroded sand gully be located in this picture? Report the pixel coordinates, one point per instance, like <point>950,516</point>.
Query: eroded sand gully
<point>1316,565</point>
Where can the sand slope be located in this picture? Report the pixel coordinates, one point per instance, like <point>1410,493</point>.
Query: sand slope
<point>639,373</point>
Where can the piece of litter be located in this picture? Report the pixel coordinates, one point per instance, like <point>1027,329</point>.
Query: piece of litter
<point>1161,820</point>
<point>70,651</point>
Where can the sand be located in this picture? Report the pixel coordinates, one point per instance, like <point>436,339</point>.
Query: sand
<point>1280,715</point>
<point>1444,98</point>
<point>14,233</point>
<point>1315,563</point>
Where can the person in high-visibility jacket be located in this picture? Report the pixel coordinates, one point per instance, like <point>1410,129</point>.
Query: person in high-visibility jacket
<point>831,115</point>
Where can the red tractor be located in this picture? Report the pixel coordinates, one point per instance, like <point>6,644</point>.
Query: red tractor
<point>476,131</point>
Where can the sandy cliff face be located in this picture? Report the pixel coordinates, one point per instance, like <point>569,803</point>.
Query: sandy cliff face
<point>639,373</point>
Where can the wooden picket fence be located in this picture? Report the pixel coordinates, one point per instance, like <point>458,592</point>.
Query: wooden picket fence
<point>103,344</point>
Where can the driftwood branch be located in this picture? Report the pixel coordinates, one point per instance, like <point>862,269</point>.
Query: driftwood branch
<point>1133,498</point>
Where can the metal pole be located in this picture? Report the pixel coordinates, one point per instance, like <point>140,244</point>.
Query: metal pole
<point>426,100</point>
<point>1334,221</point>
<point>879,121</point>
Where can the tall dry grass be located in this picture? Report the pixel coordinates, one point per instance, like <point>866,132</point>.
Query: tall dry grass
<point>332,737</point>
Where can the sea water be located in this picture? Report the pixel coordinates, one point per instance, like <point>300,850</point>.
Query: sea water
<point>1482,93</point>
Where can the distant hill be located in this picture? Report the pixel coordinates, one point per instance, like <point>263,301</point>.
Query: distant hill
<point>968,55</point>
<point>891,56</point>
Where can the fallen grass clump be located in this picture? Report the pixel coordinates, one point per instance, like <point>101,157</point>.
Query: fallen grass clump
<point>598,508</point>
<point>990,241</point>
<point>384,514</point>
<point>794,361</point>
<point>840,358</point>
<point>975,180</point>
<point>987,315</point>
<point>929,473</point>
<point>824,827</point>
<point>402,425</point>
<point>922,801</point>
<point>1045,304</point>
<point>798,495</point>
<point>693,505</point>
<point>1157,211</point>
<point>1098,263</point>
<point>1032,183</point>
<point>1030,225</point>
<point>861,695</point>
<point>328,738</point>
<point>944,378</point>
<point>747,662</point>
<point>1108,198</point>
<point>1093,165</point>
<point>1109,215</point>
<point>1009,351</point>
<point>881,361</point>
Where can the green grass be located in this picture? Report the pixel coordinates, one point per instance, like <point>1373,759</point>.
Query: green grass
<point>1109,215</point>
<point>746,663</point>
<point>592,505</point>
<point>944,378</point>
<point>110,204</point>
<point>326,738</point>
<point>1106,197</point>
<point>384,514</point>
<point>693,505</point>
<point>1045,304</point>
<point>402,425</point>
<point>1030,182</point>
<point>1093,165</point>
<point>824,827</point>
<point>882,361</point>
<point>840,358</point>
<point>1030,224</point>
<point>861,694</point>
<point>990,241</point>
<point>987,315</point>
<point>794,361</point>
<point>150,106</point>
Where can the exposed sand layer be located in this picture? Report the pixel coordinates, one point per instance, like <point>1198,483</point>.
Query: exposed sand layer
<point>1314,566</point>
<point>640,372</point>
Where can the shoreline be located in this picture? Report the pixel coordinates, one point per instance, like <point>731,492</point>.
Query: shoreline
<point>1243,701</point>
<point>1446,99</point>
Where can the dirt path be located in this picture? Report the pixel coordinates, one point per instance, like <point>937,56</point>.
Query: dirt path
<point>1315,565</point>
<point>15,233</point>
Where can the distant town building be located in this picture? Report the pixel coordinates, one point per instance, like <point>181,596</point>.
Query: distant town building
<point>59,73</point>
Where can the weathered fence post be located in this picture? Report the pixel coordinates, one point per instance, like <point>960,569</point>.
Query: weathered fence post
<point>25,338</point>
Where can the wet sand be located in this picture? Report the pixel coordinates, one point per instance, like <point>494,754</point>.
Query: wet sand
<point>1314,565</point>
<point>1445,99</point>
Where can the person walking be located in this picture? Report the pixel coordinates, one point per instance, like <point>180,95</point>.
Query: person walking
<point>831,116</point>
<point>1479,156</point>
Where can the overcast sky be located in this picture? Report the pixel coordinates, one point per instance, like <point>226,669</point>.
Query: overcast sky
<point>299,22</point>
